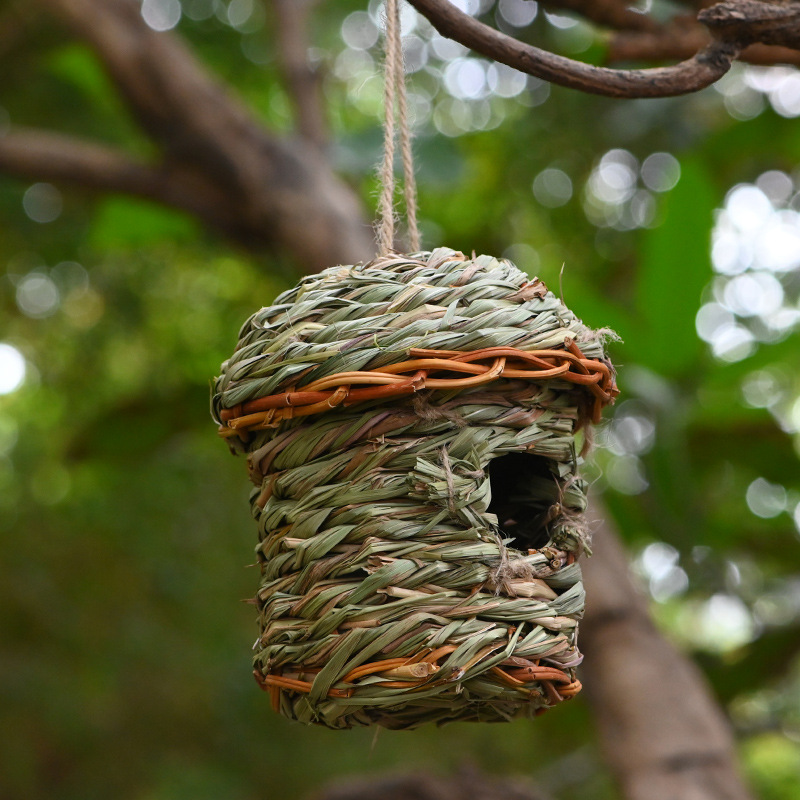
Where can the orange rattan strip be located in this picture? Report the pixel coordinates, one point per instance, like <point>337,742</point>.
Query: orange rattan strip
<point>407,377</point>
<point>519,678</point>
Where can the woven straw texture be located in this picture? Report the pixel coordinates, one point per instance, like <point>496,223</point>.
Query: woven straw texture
<point>418,540</point>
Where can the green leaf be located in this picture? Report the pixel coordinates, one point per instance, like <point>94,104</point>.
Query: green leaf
<point>123,222</point>
<point>675,267</point>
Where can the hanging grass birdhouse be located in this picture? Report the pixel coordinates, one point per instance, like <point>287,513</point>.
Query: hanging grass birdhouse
<point>410,429</point>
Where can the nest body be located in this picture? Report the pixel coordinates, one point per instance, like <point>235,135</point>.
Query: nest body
<point>410,428</point>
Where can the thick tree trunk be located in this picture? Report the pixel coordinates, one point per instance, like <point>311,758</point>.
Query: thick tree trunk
<point>664,736</point>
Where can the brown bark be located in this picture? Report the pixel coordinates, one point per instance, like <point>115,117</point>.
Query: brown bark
<point>751,21</point>
<point>663,734</point>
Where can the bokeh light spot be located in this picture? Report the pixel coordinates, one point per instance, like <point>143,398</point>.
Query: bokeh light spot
<point>762,389</point>
<point>524,256</point>
<point>661,172</point>
<point>552,187</point>
<point>447,49</point>
<point>42,203</point>
<point>240,13</point>
<point>733,343</point>
<point>632,430</point>
<point>785,98</point>
<point>748,207</point>
<point>38,295</point>
<point>725,623</point>
<point>659,564</point>
<point>561,21</point>
<point>518,13</point>
<point>465,78</point>
<point>505,81</point>
<point>626,475</point>
<point>776,185</point>
<point>753,294</point>
<point>614,179</point>
<point>12,368</point>
<point>468,6</point>
<point>161,15</point>
<point>766,499</point>
<point>359,31</point>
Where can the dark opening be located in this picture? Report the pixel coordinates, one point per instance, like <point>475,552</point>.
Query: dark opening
<point>524,498</point>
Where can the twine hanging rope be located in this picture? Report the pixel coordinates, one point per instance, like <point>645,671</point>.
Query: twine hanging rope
<point>396,115</point>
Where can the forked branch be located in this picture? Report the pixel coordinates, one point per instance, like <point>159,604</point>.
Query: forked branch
<point>733,25</point>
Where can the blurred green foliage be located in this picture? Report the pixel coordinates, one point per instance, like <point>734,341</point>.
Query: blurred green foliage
<point>125,669</point>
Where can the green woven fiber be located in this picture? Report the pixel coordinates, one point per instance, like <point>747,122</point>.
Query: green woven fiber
<point>377,540</point>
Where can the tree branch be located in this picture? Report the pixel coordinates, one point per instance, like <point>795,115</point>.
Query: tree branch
<point>683,37</point>
<point>751,21</point>
<point>734,26</point>
<point>616,14</point>
<point>279,192</point>
<point>40,155</point>
<point>663,734</point>
<point>302,80</point>
<point>700,71</point>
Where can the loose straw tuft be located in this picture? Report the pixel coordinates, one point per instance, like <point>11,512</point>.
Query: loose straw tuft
<point>395,92</point>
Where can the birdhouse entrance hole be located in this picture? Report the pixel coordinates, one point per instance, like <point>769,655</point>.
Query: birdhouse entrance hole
<point>525,498</point>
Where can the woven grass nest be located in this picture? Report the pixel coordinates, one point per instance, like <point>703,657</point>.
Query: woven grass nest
<point>410,428</point>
